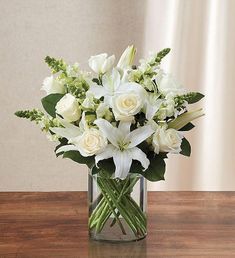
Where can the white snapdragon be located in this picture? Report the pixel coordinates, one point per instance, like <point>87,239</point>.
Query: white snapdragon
<point>101,63</point>
<point>52,85</point>
<point>68,108</point>
<point>167,140</point>
<point>73,71</point>
<point>168,85</point>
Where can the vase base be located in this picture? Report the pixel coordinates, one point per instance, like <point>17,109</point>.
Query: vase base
<point>114,234</point>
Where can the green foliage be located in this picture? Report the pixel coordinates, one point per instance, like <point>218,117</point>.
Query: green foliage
<point>55,65</point>
<point>77,157</point>
<point>33,115</point>
<point>189,126</point>
<point>185,148</point>
<point>155,171</point>
<point>63,141</point>
<point>106,168</point>
<point>49,102</point>
<point>191,98</point>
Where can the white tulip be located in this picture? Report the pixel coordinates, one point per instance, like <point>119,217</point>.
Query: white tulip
<point>101,63</point>
<point>51,85</point>
<point>68,108</point>
<point>127,58</point>
<point>167,140</point>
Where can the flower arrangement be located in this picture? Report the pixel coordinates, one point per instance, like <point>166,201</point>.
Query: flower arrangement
<point>121,121</point>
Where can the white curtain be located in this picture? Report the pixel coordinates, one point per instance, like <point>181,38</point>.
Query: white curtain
<point>202,36</point>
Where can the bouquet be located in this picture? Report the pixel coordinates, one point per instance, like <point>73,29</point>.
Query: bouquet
<point>120,120</point>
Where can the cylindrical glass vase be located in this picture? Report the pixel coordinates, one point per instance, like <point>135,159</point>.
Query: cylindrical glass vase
<point>117,208</point>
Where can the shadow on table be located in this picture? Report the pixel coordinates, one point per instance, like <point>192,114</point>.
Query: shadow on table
<point>104,249</point>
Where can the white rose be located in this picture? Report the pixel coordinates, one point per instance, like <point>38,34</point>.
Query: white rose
<point>90,142</point>
<point>51,85</point>
<point>126,105</point>
<point>68,108</point>
<point>168,85</point>
<point>167,140</point>
<point>101,63</point>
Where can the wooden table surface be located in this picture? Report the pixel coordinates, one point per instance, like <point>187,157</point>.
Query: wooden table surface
<point>180,224</point>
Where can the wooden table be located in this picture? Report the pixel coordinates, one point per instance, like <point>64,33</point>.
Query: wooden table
<point>181,224</point>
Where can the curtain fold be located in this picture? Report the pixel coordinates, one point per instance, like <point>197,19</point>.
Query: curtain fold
<point>201,35</point>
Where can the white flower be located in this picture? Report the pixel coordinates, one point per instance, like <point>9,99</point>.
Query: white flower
<point>127,58</point>
<point>126,99</point>
<point>51,85</point>
<point>101,63</point>
<point>152,105</point>
<point>167,84</point>
<point>73,71</point>
<point>103,111</point>
<point>126,105</point>
<point>68,108</point>
<point>123,146</point>
<point>89,101</point>
<point>88,141</point>
<point>167,140</point>
<point>111,83</point>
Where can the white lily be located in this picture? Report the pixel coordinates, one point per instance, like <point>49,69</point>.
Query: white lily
<point>123,145</point>
<point>113,85</point>
<point>101,63</point>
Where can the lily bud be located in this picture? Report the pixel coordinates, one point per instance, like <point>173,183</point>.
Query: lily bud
<point>127,58</point>
<point>185,118</point>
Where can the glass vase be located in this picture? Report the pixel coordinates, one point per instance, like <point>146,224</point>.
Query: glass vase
<point>117,208</point>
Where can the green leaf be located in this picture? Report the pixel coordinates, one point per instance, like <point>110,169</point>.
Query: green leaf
<point>106,168</point>
<point>63,141</point>
<point>77,157</point>
<point>155,171</point>
<point>189,126</point>
<point>49,102</point>
<point>185,148</point>
<point>193,97</point>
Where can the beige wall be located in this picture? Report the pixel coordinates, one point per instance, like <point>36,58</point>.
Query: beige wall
<point>76,29</point>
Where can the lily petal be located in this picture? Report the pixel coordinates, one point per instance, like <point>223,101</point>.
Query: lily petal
<point>138,154</point>
<point>106,154</point>
<point>112,133</point>
<point>66,148</point>
<point>97,90</point>
<point>111,81</point>
<point>124,127</point>
<point>68,133</point>
<point>122,161</point>
<point>139,135</point>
